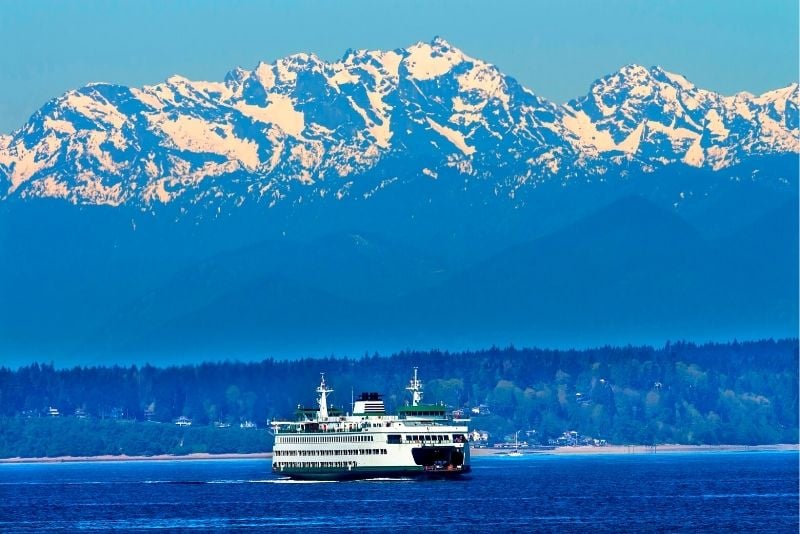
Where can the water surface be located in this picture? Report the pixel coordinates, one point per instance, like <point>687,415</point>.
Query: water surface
<point>755,491</point>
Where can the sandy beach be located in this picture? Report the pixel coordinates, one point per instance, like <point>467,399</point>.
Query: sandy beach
<point>669,448</point>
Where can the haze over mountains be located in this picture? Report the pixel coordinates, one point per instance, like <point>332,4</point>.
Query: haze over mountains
<point>415,197</point>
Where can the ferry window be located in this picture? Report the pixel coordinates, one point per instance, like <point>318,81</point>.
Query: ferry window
<point>393,438</point>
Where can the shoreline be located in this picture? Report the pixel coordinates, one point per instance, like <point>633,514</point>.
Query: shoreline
<point>667,448</point>
<point>126,458</point>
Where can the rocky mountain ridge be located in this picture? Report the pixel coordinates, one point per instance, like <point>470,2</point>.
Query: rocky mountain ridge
<point>301,129</point>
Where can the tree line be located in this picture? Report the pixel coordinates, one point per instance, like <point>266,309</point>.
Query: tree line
<point>739,393</point>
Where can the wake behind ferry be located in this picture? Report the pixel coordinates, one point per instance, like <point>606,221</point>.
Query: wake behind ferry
<point>324,444</point>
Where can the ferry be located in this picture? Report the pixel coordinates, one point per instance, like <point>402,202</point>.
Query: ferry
<point>323,443</point>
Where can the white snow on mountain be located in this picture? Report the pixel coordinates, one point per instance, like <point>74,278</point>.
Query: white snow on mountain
<point>371,121</point>
<point>426,61</point>
<point>653,115</point>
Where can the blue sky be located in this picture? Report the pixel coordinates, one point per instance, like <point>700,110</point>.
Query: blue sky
<point>556,49</point>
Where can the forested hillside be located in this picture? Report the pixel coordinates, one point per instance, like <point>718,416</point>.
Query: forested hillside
<point>744,393</point>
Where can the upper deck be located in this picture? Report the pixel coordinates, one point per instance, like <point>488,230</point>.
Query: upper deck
<point>369,414</point>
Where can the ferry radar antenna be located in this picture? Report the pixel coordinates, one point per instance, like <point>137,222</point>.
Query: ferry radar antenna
<point>323,397</point>
<point>415,387</point>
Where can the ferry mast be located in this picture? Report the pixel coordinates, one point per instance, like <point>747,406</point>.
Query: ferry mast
<point>323,391</point>
<point>415,387</point>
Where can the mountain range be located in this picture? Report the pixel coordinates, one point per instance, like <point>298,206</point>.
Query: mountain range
<point>415,197</point>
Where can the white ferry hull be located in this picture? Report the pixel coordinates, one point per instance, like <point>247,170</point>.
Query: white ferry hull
<point>365,473</point>
<point>336,456</point>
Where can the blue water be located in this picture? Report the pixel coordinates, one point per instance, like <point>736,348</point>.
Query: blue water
<point>637,493</point>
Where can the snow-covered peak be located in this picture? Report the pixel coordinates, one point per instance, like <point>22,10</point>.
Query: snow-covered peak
<point>430,60</point>
<point>177,79</point>
<point>659,116</point>
<point>440,42</point>
<point>235,77</point>
<point>385,62</point>
<point>677,80</point>
<point>779,97</point>
<point>300,60</point>
<point>635,82</point>
<point>287,68</point>
<point>299,126</point>
<point>633,72</point>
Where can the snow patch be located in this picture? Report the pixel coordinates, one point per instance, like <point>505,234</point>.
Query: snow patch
<point>428,172</point>
<point>309,156</point>
<point>715,125</point>
<point>455,137</point>
<point>156,190</point>
<point>631,143</point>
<point>284,73</point>
<point>146,97</point>
<point>676,135</point>
<point>342,76</point>
<point>741,106</point>
<point>549,160</point>
<point>390,61</point>
<point>425,62</point>
<point>778,97</point>
<point>485,80</point>
<point>52,188</point>
<point>196,135</point>
<point>265,74</point>
<point>579,123</point>
<point>101,112</point>
<point>717,156</point>
<point>679,80</point>
<point>694,156</point>
<point>93,142</point>
<point>279,111</point>
<point>641,91</point>
<point>59,126</point>
<point>24,163</point>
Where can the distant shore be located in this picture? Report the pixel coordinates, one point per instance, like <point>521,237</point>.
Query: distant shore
<point>641,449</point>
<point>587,449</point>
<point>126,458</point>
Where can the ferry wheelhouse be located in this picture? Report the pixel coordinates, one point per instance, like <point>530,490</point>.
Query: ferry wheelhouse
<point>325,444</point>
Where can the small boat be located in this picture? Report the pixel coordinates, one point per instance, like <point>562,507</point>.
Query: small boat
<point>516,451</point>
